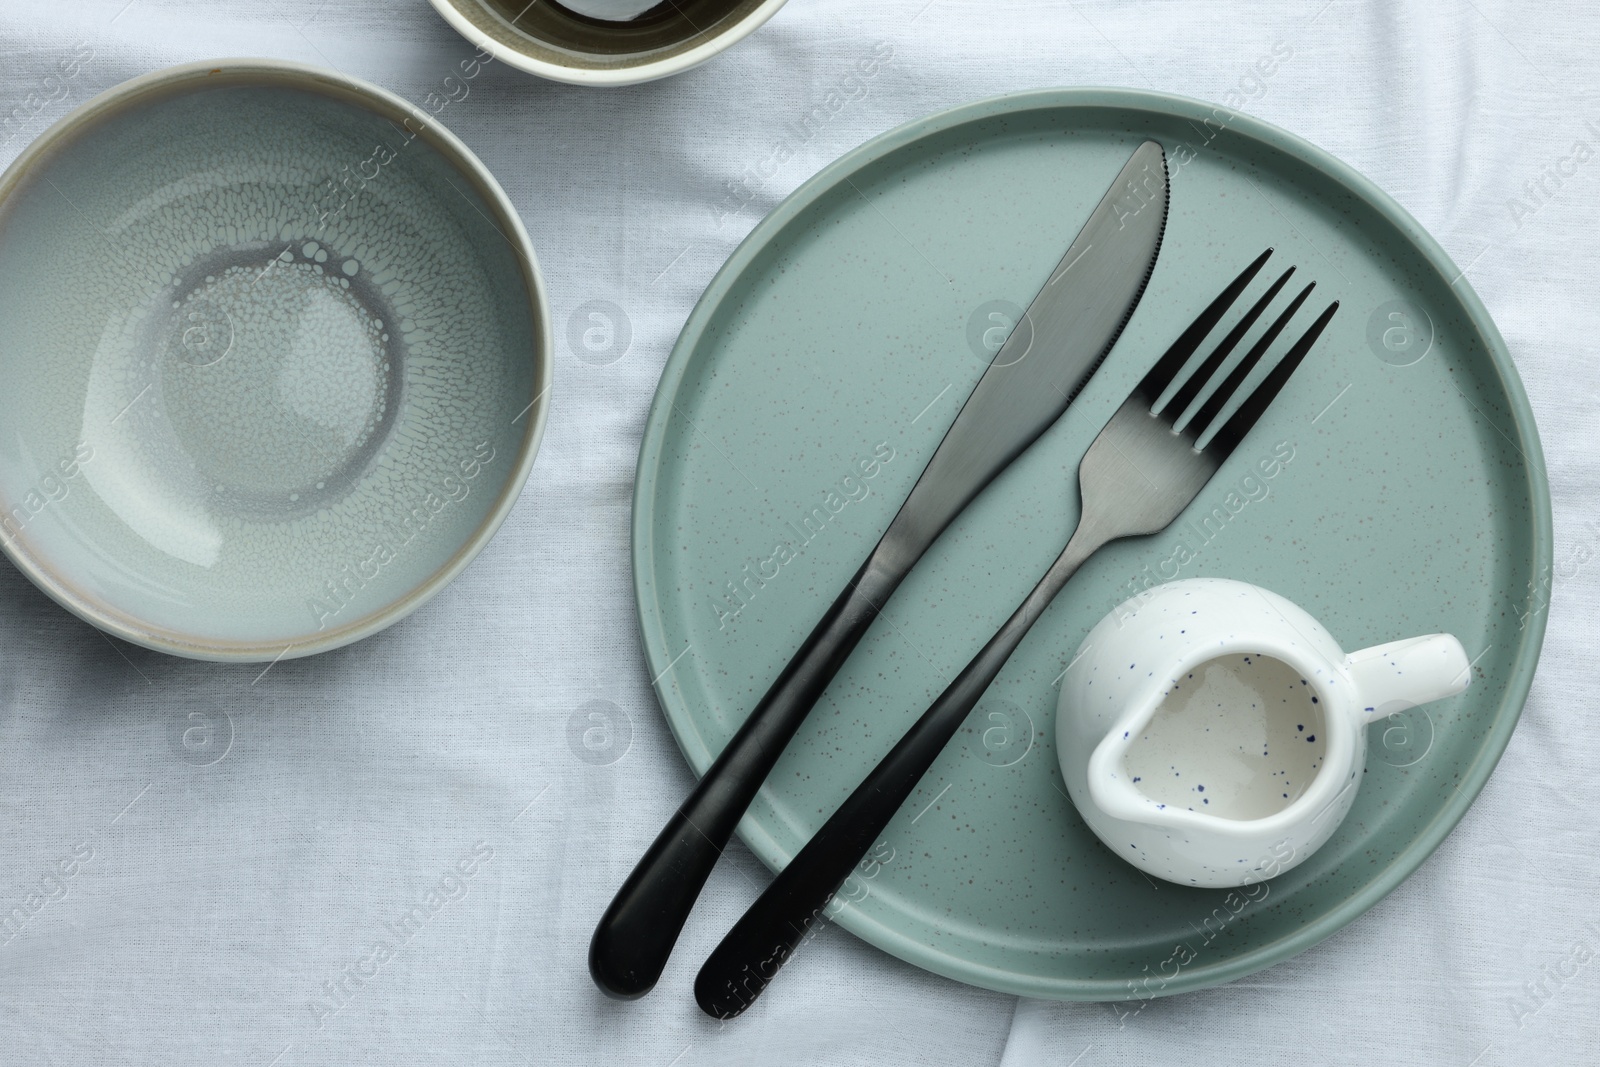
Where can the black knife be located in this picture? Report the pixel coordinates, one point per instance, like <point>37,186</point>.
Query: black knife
<point>1061,340</point>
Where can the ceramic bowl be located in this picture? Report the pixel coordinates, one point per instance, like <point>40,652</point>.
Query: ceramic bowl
<point>554,41</point>
<point>277,360</point>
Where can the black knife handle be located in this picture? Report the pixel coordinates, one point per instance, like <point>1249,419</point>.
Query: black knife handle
<point>636,935</point>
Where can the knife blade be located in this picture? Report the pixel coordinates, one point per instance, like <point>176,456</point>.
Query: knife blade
<point>1056,347</point>
<point>1052,353</point>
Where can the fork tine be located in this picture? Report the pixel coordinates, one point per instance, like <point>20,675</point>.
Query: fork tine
<point>1167,367</point>
<point>1234,430</point>
<point>1226,391</point>
<point>1190,389</point>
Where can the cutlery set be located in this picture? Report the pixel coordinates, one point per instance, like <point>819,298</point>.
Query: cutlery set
<point>1160,448</point>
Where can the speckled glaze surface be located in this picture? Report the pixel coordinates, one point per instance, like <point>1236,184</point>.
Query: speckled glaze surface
<point>815,379</point>
<point>1233,791</point>
<point>276,364</point>
<point>554,41</point>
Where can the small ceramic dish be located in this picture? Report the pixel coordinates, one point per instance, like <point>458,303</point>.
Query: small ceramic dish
<point>554,41</point>
<point>1174,692</point>
<point>277,360</point>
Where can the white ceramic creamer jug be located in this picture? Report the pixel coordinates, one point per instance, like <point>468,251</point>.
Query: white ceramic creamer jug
<point>1213,734</point>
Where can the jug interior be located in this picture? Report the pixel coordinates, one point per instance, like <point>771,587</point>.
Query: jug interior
<point>1238,737</point>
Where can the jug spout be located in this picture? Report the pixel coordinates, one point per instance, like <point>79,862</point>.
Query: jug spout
<point>1408,672</point>
<point>1115,798</point>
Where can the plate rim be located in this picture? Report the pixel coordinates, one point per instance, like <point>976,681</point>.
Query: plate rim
<point>659,659</point>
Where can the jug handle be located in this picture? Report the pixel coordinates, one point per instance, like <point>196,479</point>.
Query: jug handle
<point>1411,671</point>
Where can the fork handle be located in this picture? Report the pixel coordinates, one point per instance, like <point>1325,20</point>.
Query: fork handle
<point>635,937</point>
<point>781,918</point>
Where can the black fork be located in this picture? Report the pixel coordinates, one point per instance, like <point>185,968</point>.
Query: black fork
<point>1138,475</point>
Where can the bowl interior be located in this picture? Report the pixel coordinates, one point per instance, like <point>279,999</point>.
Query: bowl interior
<point>549,33</point>
<point>269,360</point>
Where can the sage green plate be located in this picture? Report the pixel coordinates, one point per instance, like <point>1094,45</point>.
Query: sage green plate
<point>848,328</point>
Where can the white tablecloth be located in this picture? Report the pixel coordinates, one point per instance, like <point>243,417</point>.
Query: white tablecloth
<point>238,843</point>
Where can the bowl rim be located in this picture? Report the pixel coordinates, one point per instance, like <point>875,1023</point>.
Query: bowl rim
<point>635,74</point>
<point>187,77</point>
